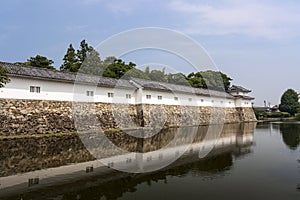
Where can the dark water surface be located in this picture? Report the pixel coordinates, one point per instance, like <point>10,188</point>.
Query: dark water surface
<point>264,164</point>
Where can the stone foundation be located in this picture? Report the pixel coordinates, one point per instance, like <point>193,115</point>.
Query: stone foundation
<point>170,115</point>
<point>19,117</point>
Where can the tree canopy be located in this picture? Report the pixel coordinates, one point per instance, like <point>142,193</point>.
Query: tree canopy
<point>70,63</point>
<point>209,80</point>
<point>86,60</point>
<point>3,77</point>
<point>118,69</point>
<point>40,61</point>
<point>289,102</point>
<point>83,51</point>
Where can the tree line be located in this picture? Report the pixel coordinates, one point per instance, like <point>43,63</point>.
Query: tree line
<point>87,60</point>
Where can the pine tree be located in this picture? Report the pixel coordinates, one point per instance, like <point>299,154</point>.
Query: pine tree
<point>83,51</point>
<point>70,63</point>
<point>92,64</point>
<point>40,61</point>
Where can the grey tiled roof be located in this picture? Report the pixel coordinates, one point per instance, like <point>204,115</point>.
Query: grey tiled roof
<point>153,85</point>
<point>238,88</point>
<point>244,97</point>
<point>48,74</point>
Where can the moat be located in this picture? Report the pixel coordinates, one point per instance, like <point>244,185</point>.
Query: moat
<point>249,161</point>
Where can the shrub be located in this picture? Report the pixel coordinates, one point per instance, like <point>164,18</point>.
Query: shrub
<point>274,115</point>
<point>278,115</point>
<point>285,114</point>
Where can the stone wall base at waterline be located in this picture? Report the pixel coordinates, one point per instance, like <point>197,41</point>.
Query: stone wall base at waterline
<point>19,117</point>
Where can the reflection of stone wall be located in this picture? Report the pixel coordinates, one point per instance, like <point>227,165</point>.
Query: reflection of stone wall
<point>29,153</point>
<point>19,117</point>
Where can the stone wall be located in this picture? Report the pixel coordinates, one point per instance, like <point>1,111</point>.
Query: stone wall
<point>19,117</point>
<point>169,115</point>
<point>35,117</point>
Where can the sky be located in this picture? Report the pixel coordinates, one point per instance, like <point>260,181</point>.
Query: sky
<point>255,42</point>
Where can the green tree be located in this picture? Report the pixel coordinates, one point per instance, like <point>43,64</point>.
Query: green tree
<point>70,63</point>
<point>136,73</point>
<point>147,70</point>
<point>40,61</point>
<point>83,51</point>
<point>158,75</point>
<point>289,102</point>
<point>109,60</point>
<point>118,69</point>
<point>178,78</point>
<point>226,81</point>
<point>196,80</point>
<point>93,64</point>
<point>209,79</point>
<point>86,59</point>
<point>3,77</point>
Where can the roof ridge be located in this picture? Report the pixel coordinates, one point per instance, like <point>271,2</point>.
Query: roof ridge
<point>38,72</point>
<point>51,70</point>
<point>35,67</point>
<point>174,84</point>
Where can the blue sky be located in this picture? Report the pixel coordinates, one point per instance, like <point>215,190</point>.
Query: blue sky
<point>257,43</point>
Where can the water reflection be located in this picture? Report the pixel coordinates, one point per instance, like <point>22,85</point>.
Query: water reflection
<point>290,134</point>
<point>95,188</point>
<point>235,141</point>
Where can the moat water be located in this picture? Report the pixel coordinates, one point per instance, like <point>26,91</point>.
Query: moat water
<point>264,165</point>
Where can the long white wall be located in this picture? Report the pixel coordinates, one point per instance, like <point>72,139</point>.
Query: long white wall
<point>19,88</point>
<point>168,98</point>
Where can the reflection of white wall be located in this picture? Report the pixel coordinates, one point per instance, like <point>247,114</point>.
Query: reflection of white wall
<point>19,88</point>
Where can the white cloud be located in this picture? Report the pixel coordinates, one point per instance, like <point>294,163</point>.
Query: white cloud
<point>250,18</point>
